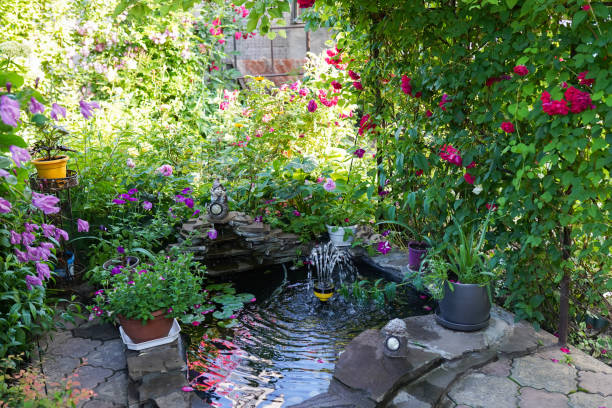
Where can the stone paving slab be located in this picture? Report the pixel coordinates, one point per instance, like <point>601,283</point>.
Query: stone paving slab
<point>532,398</point>
<point>479,390</point>
<point>531,371</point>
<point>583,400</point>
<point>596,383</point>
<point>579,359</point>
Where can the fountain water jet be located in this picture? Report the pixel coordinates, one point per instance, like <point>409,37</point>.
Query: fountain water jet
<point>324,259</point>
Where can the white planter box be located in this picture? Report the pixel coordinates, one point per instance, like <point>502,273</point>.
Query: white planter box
<point>175,330</point>
<point>337,237</point>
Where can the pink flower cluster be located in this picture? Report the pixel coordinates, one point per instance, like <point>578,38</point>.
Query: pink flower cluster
<point>445,99</point>
<point>327,102</point>
<point>578,100</point>
<point>521,70</point>
<point>365,124</point>
<point>507,127</point>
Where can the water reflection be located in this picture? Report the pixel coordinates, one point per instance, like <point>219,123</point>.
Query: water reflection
<point>285,345</point>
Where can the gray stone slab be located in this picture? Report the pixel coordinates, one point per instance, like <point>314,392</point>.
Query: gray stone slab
<point>535,372</point>
<point>364,367</point>
<point>96,403</point>
<point>404,399</point>
<point>452,344</point>
<point>525,339</point>
<point>431,387</point>
<point>56,368</point>
<point>90,377</point>
<point>499,368</point>
<point>532,398</point>
<point>114,389</point>
<point>584,400</point>
<point>97,331</point>
<point>71,346</point>
<point>482,391</point>
<point>110,354</point>
<point>160,384</point>
<point>599,383</point>
<point>177,399</point>
<point>165,358</point>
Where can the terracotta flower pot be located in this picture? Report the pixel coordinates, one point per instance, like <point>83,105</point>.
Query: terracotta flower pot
<point>51,169</point>
<point>155,328</point>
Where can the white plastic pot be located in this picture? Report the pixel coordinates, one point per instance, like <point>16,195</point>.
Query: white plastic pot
<point>337,236</point>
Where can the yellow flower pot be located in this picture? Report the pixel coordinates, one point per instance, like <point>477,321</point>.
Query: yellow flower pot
<point>51,169</point>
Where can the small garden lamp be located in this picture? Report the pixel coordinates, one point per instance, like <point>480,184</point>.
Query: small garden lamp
<point>395,339</point>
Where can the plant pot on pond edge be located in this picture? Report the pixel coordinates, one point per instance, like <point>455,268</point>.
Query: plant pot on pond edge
<point>140,331</point>
<point>51,169</point>
<point>336,235</point>
<point>465,307</point>
<point>128,262</point>
<point>416,252</point>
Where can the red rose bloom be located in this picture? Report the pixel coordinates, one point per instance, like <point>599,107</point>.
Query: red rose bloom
<point>305,3</point>
<point>507,127</point>
<point>521,70</point>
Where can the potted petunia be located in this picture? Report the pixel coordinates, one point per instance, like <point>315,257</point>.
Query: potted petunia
<point>459,277</point>
<point>146,302</point>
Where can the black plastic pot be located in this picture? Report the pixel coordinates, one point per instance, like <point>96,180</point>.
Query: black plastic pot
<point>465,308</point>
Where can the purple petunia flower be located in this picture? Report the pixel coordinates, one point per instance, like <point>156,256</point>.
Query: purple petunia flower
<point>118,201</point>
<point>147,205</point>
<point>32,281</point>
<point>46,203</point>
<point>5,205</point>
<point>57,111</point>
<point>212,234</point>
<point>43,271</point>
<point>15,238</point>
<point>9,110</point>
<point>384,247</point>
<point>87,108</point>
<point>259,218</point>
<point>35,106</point>
<point>115,271</point>
<point>121,250</point>
<point>359,153</point>
<point>189,202</point>
<point>132,191</point>
<point>19,155</point>
<point>186,190</point>
<point>82,225</point>
<point>329,185</point>
<point>48,230</point>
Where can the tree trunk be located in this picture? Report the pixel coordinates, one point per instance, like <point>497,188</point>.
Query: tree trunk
<point>564,289</point>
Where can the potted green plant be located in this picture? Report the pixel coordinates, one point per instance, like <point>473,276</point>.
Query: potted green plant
<point>345,207</point>
<point>52,163</point>
<point>460,277</point>
<point>145,302</point>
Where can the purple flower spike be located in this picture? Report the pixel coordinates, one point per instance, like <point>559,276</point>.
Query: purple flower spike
<point>121,250</point>
<point>19,155</point>
<point>87,108</point>
<point>82,225</point>
<point>46,203</point>
<point>35,106</point>
<point>9,110</point>
<point>57,111</point>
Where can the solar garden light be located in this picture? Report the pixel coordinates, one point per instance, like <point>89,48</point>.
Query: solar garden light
<point>395,341</point>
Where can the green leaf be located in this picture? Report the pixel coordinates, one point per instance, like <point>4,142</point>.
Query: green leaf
<point>511,3</point>
<point>12,77</point>
<point>578,18</point>
<point>271,35</point>
<point>6,140</point>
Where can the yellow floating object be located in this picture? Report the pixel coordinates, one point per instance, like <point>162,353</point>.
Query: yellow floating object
<point>323,294</point>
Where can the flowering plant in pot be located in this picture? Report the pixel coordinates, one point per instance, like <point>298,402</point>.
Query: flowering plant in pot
<point>460,277</point>
<point>145,302</point>
<point>52,162</point>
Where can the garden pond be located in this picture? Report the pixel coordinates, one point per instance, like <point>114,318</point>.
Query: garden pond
<point>285,345</point>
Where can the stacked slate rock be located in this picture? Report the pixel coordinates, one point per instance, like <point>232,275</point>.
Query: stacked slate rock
<point>241,244</point>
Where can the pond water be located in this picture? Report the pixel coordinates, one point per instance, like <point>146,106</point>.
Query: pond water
<point>285,345</point>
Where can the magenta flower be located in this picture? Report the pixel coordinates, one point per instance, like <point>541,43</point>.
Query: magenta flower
<point>507,127</point>
<point>521,70</point>
<point>385,233</point>
<point>444,101</point>
<point>32,281</point>
<point>329,185</point>
<point>565,350</point>
<point>87,108</point>
<point>312,106</point>
<point>186,388</point>
<point>383,247</point>
<point>82,225</point>
<point>429,113</point>
<point>259,218</point>
<point>120,250</point>
<point>469,178</point>
<point>189,202</point>
<point>358,85</point>
<point>132,191</point>
<point>165,170</point>
<point>19,155</point>
<point>147,205</point>
<point>43,271</point>
<point>359,153</point>
<point>195,323</point>
<point>115,271</point>
<point>118,201</point>
<point>296,213</point>
<point>212,234</point>
<point>354,76</point>
<point>255,299</point>
<point>232,317</point>
<point>46,203</point>
<point>35,106</point>
<point>428,308</point>
<point>5,206</point>
<point>15,238</point>
<point>57,111</point>
<point>130,282</point>
<point>9,110</point>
